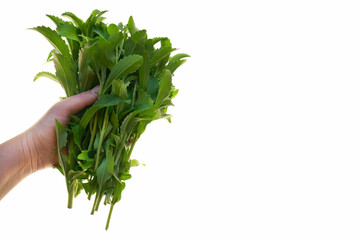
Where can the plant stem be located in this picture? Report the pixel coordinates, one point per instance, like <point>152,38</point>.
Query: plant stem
<point>93,132</point>
<point>102,132</point>
<point>98,202</point>
<point>94,205</point>
<point>109,216</point>
<point>118,152</point>
<point>90,189</point>
<point>70,197</point>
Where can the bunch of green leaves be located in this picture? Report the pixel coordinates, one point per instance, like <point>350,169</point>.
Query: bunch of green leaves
<point>135,77</point>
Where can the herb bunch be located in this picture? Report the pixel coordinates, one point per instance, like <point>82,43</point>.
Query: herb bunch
<point>135,79</point>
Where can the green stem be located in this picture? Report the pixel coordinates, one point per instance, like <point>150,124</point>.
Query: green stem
<point>94,205</point>
<point>118,153</point>
<point>90,190</point>
<point>102,132</point>
<point>134,96</point>
<point>93,133</point>
<point>70,197</point>
<point>120,49</point>
<point>109,216</point>
<point>102,81</point>
<point>98,202</point>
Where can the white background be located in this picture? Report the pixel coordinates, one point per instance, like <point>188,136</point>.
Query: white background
<point>265,137</point>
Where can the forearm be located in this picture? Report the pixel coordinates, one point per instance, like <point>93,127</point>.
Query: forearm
<point>15,163</point>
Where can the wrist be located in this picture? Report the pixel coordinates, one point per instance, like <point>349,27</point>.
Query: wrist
<point>27,153</point>
<point>38,148</point>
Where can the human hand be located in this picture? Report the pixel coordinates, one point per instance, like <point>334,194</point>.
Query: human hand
<point>36,148</point>
<point>40,142</point>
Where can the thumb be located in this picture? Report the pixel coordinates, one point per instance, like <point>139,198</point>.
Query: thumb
<point>75,103</point>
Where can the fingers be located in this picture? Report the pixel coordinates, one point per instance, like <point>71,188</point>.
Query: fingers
<point>75,103</point>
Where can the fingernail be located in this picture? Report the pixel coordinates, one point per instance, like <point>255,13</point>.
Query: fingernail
<point>95,89</point>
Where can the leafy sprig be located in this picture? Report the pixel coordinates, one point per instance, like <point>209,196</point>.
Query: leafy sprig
<point>136,88</point>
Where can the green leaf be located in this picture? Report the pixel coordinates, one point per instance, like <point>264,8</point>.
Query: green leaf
<point>131,25</point>
<point>102,174</point>
<point>117,139</point>
<point>47,75</point>
<point>78,134</point>
<point>129,47</point>
<point>77,21</point>
<point>86,74</point>
<point>157,39</point>
<point>119,89</point>
<point>107,101</point>
<point>177,57</point>
<point>141,127</point>
<point>165,42</point>
<point>114,121</point>
<point>101,30</point>
<point>174,93</point>
<point>91,21</point>
<point>103,52</point>
<point>144,98</point>
<point>176,61</point>
<point>85,165</point>
<point>161,53</point>
<point>55,19</point>
<point>112,29</point>
<point>153,86</point>
<point>115,39</point>
<point>103,101</point>
<point>164,87</point>
<point>144,72</point>
<point>125,176</point>
<point>109,156</point>
<point>61,142</point>
<point>74,48</point>
<point>49,58</point>
<point>130,121</point>
<point>119,187</point>
<point>174,65</point>
<point>106,167</point>
<point>125,66</point>
<point>66,73</point>
<point>68,30</point>
<point>135,163</point>
<point>139,37</point>
<point>74,119</point>
<point>54,38</point>
<point>85,157</point>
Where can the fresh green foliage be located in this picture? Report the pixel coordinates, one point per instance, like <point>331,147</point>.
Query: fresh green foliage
<point>136,88</point>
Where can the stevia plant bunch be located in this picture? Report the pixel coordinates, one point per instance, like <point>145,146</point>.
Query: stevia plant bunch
<point>135,77</point>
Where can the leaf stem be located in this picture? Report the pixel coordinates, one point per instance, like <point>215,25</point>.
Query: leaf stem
<point>109,216</point>
<point>102,132</point>
<point>95,201</point>
<point>118,152</point>
<point>93,132</point>
<point>98,202</point>
<point>70,196</point>
<point>90,190</point>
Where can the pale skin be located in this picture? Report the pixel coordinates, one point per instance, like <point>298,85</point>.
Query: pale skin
<point>35,149</point>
